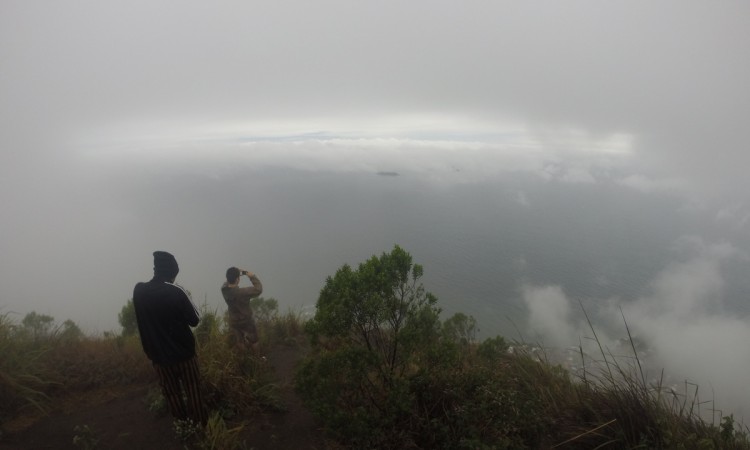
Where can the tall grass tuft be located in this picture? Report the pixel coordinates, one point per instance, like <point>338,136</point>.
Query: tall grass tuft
<point>41,361</point>
<point>23,376</point>
<point>612,405</point>
<point>218,436</point>
<point>285,329</point>
<point>235,382</point>
<point>38,365</point>
<point>485,396</point>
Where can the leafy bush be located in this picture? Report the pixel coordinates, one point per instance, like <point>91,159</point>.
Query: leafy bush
<point>232,381</point>
<point>369,332</point>
<point>127,319</point>
<point>40,360</point>
<point>23,380</point>
<point>461,328</point>
<point>69,331</point>
<point>209,327</point>
<point>384,372</point>
<point>38,325</point>
<point>264,310</point>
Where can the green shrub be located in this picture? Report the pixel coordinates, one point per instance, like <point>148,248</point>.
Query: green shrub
<point>384,372</point>
<point>232,381</point>
<point>369,334</point>
<point>23,379</point>
<point>38,325</point>
<point>209,327</point>
<point>127,319</point>
<point>264,310</point>
<point>461,328</point>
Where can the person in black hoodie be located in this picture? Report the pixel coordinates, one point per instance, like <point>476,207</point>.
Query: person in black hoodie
<point>165,314</point>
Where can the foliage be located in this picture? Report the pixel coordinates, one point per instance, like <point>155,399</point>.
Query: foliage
<point>264,310</point>
<point>215,435</point>
<point>186,430</point>
<point>218,436</point>
<point>374,332</point>
<point>22,373</point>
<point>384,372</point>
<point>209,325</point>
<point>41,360</point>
<point>127,319</point>
<point>461,328</point>
<point>70,331</point>
<point>39,325</point>
<point>63,363</point>
<point>85,437</point>
<point>232,381</point>
<point>286,329</point>
<point>155,402</point>
<point>492,348</point>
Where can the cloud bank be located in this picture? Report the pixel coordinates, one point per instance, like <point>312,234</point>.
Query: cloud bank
<point>683,323</point>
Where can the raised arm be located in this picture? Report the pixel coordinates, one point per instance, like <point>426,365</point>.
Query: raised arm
<point>256,289</point>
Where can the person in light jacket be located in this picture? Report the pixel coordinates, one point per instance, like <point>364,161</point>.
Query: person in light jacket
<point>243,331</point>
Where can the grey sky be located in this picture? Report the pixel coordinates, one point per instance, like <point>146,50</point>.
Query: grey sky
<point>123,126</point>
<point>672,74</point>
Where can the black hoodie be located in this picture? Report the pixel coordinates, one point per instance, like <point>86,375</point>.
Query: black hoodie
<point>165,314</point>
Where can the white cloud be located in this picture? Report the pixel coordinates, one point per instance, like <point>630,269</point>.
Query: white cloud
<point>691,334</point>
<point>736,215</point>
<point>549,314</point>
<point>262,70</point>
<point>578,175</point>
<point>682,322</point>
<point>522,199</point>
<point>645,184</point>
<point>449,148</point>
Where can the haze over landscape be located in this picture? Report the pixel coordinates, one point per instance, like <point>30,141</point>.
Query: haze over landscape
<point>530,155</point>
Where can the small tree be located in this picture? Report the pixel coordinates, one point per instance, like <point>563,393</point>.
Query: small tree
<point>264,310</point>
<point>209,325</point>
<point>461,329</point>
<point>127,319</point>
<point>372,329</point>
<point>70,331</point>
<point>38,325</point>
<point>384,372</point>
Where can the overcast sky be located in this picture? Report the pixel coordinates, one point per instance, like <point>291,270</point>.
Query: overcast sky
<point>102,101</point>
<point>669,78</point>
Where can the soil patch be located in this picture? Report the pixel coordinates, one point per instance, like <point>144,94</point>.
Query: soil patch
<point>121,420</point>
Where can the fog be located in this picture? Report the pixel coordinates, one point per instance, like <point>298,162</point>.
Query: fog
<point>690,333</point>
<point>535,158</point>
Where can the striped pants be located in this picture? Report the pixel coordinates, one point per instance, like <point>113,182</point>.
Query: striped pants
<point>176,378</point>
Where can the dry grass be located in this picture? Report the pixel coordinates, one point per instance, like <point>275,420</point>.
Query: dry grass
<point>608,405</point>
<point>35,368</point>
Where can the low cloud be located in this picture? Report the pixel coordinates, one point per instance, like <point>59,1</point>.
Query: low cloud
<point>682,321</point>
<point>649,185</point>
<point>735,215</point>
<point>449,149</point>
<point>550,314</point>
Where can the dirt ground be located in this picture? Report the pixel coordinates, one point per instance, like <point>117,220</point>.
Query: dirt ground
<point>121,420</point>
